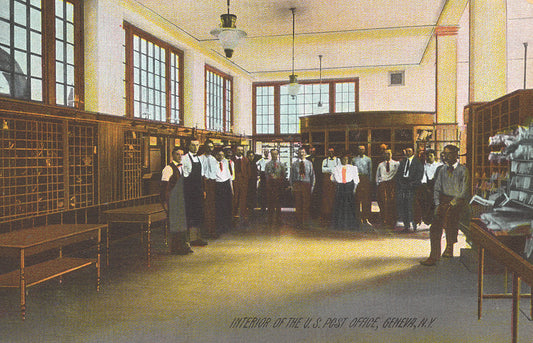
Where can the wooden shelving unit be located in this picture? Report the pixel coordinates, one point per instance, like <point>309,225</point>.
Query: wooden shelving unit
<point>132,165</point>
<point>82,161</point>
<point>397,130</point>
<point>486,120</point>
<point>32,167</point>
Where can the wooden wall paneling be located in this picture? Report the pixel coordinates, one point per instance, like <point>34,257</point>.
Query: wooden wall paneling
<point>111,142</point>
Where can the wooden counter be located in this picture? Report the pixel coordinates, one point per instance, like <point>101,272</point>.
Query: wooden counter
<point>28,242</point>
<point>143,214</point>
<point>517,265</point>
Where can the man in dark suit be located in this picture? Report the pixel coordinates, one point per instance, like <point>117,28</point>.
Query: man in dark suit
<point>240,185</point>
<point>408,178</point>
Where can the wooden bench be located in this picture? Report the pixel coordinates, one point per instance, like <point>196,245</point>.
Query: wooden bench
<point>24,243</point>
<point>142,214</point>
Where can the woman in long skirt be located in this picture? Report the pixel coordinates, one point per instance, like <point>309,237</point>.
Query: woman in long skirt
<point>346,178</point>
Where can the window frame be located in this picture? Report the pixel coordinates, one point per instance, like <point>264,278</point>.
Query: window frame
<point>48,56</point>
<point>130,31</point>
<point>225,78</point>
<point>277,95</point>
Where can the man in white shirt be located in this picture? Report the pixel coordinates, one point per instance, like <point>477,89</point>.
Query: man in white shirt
<point>425,200</point>
<point>173,201</point>
<point>346,178</point>
<point>209,169</point>
<point>386,189</point>
<point>328,187</point>
<point>363,196</point>
<point>223,193</point>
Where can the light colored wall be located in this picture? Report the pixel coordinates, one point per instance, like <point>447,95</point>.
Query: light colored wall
<point>519,31</point>
<point>375,94</point>
<point>104,56</point>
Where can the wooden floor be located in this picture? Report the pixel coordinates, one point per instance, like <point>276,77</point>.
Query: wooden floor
<point>247,285</point>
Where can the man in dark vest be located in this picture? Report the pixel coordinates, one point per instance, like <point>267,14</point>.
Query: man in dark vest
<point>173,201</point>
<point>194,193</point>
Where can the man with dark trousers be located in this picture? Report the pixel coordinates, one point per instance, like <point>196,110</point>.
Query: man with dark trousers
<point>194,193</point>
<point>316,196</point>
<point>363,193</point>
<point>386,191</point>
<point>262,181</point>
<point>408,178</point>
<point>276,181</point>
<point>251,197</point>
<point>173,201</point>
<point>209,169</point>
<point>451,193</point>
<point>302,182</point>
<point>329,164</point>
<point>240,185</point>
<point>223,192</point>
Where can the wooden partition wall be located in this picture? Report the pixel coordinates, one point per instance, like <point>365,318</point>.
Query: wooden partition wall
<point>54,162</point>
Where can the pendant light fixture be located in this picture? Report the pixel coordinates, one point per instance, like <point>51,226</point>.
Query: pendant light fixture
<point>294,87</point>
<point>320,83</point>
<point>228,34</point>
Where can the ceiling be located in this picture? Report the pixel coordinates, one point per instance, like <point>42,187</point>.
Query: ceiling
<point>348,33</point>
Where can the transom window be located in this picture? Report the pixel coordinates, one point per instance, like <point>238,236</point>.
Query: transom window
<point>218,100</point>
<point>154,72</point>
<point>28,71</point>
<point>276,112</point>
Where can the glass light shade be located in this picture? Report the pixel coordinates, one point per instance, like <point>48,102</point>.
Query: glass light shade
<point>228,35</point>
<point>294,87</point>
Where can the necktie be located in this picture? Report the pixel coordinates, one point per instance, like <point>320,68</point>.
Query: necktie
<point>343,174</point>
<point>407,165</point>
<point>221,168</point>
<point>387,168</point>
<point>450,169</point>
<point>302,169</point>
<point>275,165</point>
<point>230,169</point>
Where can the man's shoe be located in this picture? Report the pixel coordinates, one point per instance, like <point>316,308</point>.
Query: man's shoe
<point>429,262</point>
<point>448,252</point>
<point>198,243</point>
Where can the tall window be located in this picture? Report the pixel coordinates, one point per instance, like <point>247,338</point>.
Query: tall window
<point>154,72</point>
<point>344,97</point>
<point>29,46</point>
<point>276,112</point>
<point>264,109</point>
<point>218,100</point>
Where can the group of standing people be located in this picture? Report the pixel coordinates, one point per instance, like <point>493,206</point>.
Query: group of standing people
<point>208,194</point>
<point>204,195</point>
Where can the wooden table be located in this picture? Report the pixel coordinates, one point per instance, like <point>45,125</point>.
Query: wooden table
<point>28,242</point>
<point>143,214</point>
<point>520,268</point>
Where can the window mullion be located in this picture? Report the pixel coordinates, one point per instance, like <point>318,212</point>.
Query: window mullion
<point>168,86</point>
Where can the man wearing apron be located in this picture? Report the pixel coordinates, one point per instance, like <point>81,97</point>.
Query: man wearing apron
<point>173,201</point>
<point>194,193</point>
